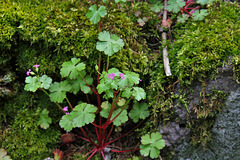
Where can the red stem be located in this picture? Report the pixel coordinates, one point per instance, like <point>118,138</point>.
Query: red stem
<point>111,111</point>
<point>90,151</point>
<point>81,137</point>
<point>92,154</point>
<point>96,125</point>
<point>109,134</point>
<point>97,132</point>
<point>125,150</point>
<point>99,103</point>
<point>90,140</point>
<point>124,134</point>
<point>88,84</point>
<point>102,154</point>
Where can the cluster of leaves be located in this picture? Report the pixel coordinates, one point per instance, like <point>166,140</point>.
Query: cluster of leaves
<point>182,8</point>
<point>74,70</point>
<point>124,85</point>
<point>112,84</point>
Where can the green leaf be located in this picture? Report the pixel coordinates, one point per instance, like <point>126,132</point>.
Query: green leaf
<point>3,155</point>
<point>127,92</point>
<point>122,118</point>
<point>107,85</point>
<point>105,112</point>
<point>72,68</point>
<point>157,7</point>
<point>105,105</point>
<point>102,87</point>
<point>44,120</point>
<point>199,15</point>
<point>83,114</point>
<point>45,81</point>
<point>203,2</point>
<point>138,93</point>
<point>33,84</point>
<point>130,79</point>
<point>96,14</point>
<point>59,91</point>
<point>121,102</point>
<point>66,122</point>
<point>175,5</point>
<point>79,83</point>
<point>182,18</point>
<point>139,111</point>
<point>109,43</point>
<point>116,1</point>
<point>151,144</point>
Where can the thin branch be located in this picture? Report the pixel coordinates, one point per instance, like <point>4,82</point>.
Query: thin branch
<point>164,37</point>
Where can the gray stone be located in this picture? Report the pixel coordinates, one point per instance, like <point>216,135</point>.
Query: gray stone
<point>225,143</point>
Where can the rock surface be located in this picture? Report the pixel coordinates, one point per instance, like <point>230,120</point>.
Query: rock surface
<point>225,143</point>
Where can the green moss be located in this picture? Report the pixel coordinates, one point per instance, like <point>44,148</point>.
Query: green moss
<point>201,47</point>
<point>236,67</point>
<point>25,140</point>
<point>206,111</point>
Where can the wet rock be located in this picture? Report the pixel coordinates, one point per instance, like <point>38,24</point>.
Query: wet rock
<point>225,144</point>
<point>225,133</point>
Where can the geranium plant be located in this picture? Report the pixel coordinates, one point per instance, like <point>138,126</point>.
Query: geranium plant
<point>183,8</point>
<point>113,89</point>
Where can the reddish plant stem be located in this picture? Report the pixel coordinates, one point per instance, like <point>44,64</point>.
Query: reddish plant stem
<point>99,102</point>
<point>100,119</point>
<point>109,134</point>
<point>184,10</point>
<point>107,64</point>
<point>124,134</point>
<point>102,154</point>
<point>87,84</point>
<point>90,140</point>
<point>97,132</point>
<point>125,150</point>
<point>90,151</point>
<point>120,111</point>
<point>99,65</point>
<point>92,154</point>
<point>88,99</point>
<point>89,133</point>
<point>114,103</point>
<point>96,125</point>
<point>81,137</point>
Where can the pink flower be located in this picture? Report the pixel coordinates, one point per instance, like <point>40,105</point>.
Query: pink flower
<point>122,76</point>
<point>111,76</point>
<point>67,113</point>
<point>65,108</point>
<point>48,158</point>
<point>28,72</point>
<point>140,80</point>
<point>36,65</point>
<point>193,11</point>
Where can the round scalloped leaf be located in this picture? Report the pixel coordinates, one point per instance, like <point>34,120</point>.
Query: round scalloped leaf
<point>83,114</point>
<point>109,43</point>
